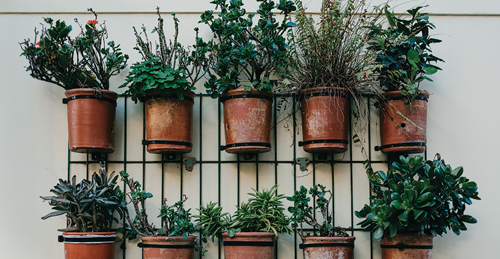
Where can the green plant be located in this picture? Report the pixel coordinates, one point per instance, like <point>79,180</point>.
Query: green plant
<point>176,220</point>
<point>168,68</point>
<point>402,52</point>
<point>417,196</point>
<point>81,62</point>
<point>89,205</point>
<point>331,53</point>
<point>247,54</point>
<point>302,212</point>
<point>262,213</point>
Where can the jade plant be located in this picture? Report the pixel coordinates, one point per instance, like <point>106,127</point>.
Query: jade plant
<point>249,54</point>
<point>89,206</point>
<point>263,212</point>
<point>86,61</point>
<point>176,220</point>
<point>303,212</point>
<point>417,196</point>
<point>402,54</point>
<point>167,67</point>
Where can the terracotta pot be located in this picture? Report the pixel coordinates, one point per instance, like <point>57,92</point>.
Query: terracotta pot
<point>328,247</point>
<point>407,246</point>
<point>88,245</point>
<point>249,245</point>
<point>167,247</point>
<point>325,119</point>
<point>403,130</point>
<point>91,120</point>
<point>247,121</point>
<point>169,119</point>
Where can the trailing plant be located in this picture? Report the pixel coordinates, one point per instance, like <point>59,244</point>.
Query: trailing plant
<point>81,62</point>
<point>329,52</point>
<point>175,218</point>
<point>417,196</point>
<point>263,212</point>
<point>89,206</point>
<point>166,67</point>
<point>247,54</point>
<point>402,52</point>
<point>302,212</point>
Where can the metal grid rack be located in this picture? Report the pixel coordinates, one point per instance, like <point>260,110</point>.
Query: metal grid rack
<point>327,164</point>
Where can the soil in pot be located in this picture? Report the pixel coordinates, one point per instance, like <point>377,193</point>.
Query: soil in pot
<point>249,245</point>
<point>169,123</point>
<point>403,128</point>
<point>247,121</point>
<point>88,245</point>
<point>91,120</point>
<point>328,247</point>
<point>325,119</point>
<point>167,247</point>
<point>407,246</point>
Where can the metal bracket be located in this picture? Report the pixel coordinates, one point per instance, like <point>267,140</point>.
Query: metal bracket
<point>189,161</point>
<point>170,156</point>
<point>303,161</point>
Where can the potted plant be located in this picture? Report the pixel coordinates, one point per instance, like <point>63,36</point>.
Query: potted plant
<point>326,57</point>
<point>415,201</point>
<point>403,59</point>
<point>331,242</point>
<point>83,67</point>
<point>251,231</point>
<point>173,239</point>
<point>89,207</point>
<point>164,81</point>
<point>248,56</point>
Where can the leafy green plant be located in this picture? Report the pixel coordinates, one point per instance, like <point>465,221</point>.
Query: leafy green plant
<point>89,206</point>
<point>82,62</point>
<point>262,213</point>
<point>176,220</point>
<point>247,54</point>
<point>168,68</point>
<point>302,212</point>
<point>402,52</point>
<point>417,196</point>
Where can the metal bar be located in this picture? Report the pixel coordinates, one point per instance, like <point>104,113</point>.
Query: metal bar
<point>201,159</point>
<point>124,161</point>
<point>294,165</point>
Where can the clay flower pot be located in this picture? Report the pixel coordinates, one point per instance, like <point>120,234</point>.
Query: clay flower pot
<point>169,123</point>
<point>88,245</point>
<point>247,121</point>
<point>249,245</point>
<point>167,247</point>
<point>407,246</point>
<point>403,130</point>
<point>328,247</point>
<point>325,119</point>
<point>91,120</point>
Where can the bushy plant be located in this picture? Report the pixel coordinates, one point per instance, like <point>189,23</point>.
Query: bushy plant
<point>87,61</point>
<point>262,213</point>
<point>402,52</point>
<point>302,212</point>
<point>89,206</point>
<point>247,53</point>
<point>166,67</point>
<point>417,196</point>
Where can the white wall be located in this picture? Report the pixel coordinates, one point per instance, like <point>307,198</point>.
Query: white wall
<point>462,126</point>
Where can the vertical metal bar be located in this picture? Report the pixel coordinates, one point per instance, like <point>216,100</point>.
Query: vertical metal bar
<point>238,180</point>
<point>257,172</point>
<point>294,165</point>
<point>351,174</point>
<point>69,164</point>
<point>275,160</point>
<point>124,162</point>
<point>201,160</point>
<point>218,163</point>
<point>182,179</point>
<point>370,159</point>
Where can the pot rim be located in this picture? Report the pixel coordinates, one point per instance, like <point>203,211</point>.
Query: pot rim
<point>249,234</point>
<point>329,238</point>
<point>168,238</point>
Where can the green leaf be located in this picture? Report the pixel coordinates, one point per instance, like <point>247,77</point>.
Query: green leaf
<point>413,57</point>
<point>404,216</point>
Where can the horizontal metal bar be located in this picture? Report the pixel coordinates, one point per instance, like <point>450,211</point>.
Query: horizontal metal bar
<point>228,162</point>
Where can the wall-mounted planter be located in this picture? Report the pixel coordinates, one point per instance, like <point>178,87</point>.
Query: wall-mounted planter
<point>407,246</point>
<point>325,119</point>
<point>249,245</point>
<point>91,120</point>
<point>247,121</point>
<point>403,130</point>
<point>169,123</point>
<point>167,247</point>
<point>88,245</point>
<point>328,247</point>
